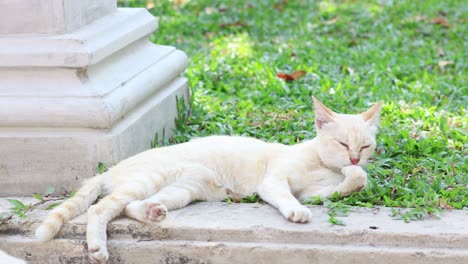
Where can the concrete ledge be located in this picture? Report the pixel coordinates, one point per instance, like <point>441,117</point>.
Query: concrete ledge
<point>251,233</point>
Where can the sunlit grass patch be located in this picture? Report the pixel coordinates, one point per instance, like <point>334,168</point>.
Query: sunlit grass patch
<point>409,54</point>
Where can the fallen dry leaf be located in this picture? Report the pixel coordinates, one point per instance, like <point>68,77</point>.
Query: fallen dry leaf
<point>454,171</point>
<point>379,150</point>
<point>235,24</point>
<point>437,20</point>
<point>415,19</point>
<point>331,21</point>
<point>441,52</point>
<point>442,13</point>
<point>179,2</point>
<point>291,77</point>
<point>209,10</point>
<point>222,9</point>
<point>279,6</point>
<point>404,110</point>
<point>441,21</point>
<point>442,64</point>
<point>444,204</point>
<point>209,34</point>
<point>352,42</point>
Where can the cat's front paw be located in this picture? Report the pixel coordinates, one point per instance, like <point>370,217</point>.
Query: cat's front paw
<point>355,179</point>
<point>98,254</point>
<point>355,173</point>
<point>297,214</point>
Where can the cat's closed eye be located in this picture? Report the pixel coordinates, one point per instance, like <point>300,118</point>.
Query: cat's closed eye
<point>364,147</point>
<point>343,144</point>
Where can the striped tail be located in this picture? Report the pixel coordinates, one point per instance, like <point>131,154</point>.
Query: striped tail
<point>71,208</point>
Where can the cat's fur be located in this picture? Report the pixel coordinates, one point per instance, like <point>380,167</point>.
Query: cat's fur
<point>156,181</point>
<point>5,258</point>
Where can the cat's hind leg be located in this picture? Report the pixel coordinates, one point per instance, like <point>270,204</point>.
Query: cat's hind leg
<point>195,183</point>
<point>107,209</point>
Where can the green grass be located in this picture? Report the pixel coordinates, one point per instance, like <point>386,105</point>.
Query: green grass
<point>355,53</point>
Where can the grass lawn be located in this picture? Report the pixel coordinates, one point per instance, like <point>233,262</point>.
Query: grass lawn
<point>409,54</point>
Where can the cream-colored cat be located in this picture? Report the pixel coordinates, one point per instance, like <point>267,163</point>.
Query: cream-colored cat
<point>151,183</point>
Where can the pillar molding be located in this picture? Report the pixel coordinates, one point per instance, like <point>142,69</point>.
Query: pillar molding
<point>80,84</point>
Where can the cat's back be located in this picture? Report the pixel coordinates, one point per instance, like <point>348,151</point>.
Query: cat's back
<point>211,149</point>
<point>227,155</point>
<point>228,141</point>
<point>233,144</point>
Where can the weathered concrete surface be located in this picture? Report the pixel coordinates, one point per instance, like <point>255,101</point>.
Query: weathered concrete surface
<point>251,233</point>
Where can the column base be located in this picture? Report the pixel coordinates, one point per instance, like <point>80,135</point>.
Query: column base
<point>57,122</point>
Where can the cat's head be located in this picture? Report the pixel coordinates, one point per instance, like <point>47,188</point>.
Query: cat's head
<point>345,139</point>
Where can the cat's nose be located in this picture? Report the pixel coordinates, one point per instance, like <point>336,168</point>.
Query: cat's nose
<point>354,161</point>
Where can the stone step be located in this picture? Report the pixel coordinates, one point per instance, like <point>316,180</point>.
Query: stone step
<point>250,233</point>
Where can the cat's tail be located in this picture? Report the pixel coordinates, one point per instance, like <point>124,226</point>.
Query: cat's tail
<point>72,207</point>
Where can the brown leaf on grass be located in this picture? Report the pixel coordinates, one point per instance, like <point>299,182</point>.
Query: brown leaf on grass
<point>443,64</point>
<point>291,77</point>
<point>437,20</point>
<point>415,19</point>
<point>444,205</point>
<point>209,10</point>
<point>280,6</point>
<point>331,21</point>
<point>222,9</point>
<point>234,24</point>
<point>209,34</point>
<point>404,110</point>
<point>442,13</point>
<point>379,150</point>
<point>440,52</point>
<point>179,2</point>
<point>352,42</point>
<point>441,21</point>
<point>454,171</point>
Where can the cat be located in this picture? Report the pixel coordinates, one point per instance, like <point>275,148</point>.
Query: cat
<point>146,186</point>
<point>5,258</point>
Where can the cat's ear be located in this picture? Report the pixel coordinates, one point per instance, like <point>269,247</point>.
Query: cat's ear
<point>323,114</point>
<point>371,116</point>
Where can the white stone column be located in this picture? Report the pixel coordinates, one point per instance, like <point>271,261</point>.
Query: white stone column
<point>79,84</point>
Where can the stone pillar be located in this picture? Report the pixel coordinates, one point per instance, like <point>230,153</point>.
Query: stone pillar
<point>79,84</point>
